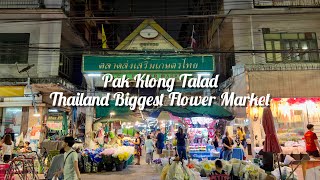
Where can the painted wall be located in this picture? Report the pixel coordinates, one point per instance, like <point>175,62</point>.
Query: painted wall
<point>247,32</point>
<point>43,34</point>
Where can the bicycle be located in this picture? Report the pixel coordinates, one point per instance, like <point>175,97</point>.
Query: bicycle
<point>41,159</point>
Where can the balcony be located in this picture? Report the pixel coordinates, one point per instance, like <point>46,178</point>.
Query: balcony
<point>286,3</point>
<point>34,4</point>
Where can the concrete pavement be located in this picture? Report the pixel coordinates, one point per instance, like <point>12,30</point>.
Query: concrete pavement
<point>133,172</point>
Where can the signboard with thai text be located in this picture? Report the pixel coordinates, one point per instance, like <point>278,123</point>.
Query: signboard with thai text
<point>151,64</point>
<point>54,121</point>
<point>287,3</point>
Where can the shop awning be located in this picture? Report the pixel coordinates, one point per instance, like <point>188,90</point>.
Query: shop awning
<point>183,90</point>
<point>106,111</point>
<point>174,110</point>
<point>122,118</point>
<point>214,111</point>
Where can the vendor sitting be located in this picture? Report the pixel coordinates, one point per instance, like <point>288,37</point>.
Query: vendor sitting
<point>267,160</point>
<point>218,169</point>
<point>26,148</point>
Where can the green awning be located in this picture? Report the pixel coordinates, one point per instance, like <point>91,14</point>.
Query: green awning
<point>122,118</point>
<point>104,111</point>
<point>183,90</point>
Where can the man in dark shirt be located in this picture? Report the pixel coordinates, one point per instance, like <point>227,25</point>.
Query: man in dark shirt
<point>160,142</point>
<point>181,143</point>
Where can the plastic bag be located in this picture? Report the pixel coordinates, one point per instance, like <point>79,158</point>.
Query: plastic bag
<point>164,172</point>
<point>55,178</point>
<point>288,160</point>
<point>174,142</point>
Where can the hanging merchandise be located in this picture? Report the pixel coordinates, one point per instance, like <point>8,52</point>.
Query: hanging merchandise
<point>64,124</point>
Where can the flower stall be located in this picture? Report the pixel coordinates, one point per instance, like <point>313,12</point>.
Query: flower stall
<point>194,169</point>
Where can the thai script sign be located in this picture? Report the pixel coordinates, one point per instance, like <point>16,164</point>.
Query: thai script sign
<point>137,64</point>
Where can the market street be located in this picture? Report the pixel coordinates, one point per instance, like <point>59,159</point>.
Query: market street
<point>133,172</point>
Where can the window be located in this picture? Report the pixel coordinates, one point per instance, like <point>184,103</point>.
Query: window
<point>291,42</point>
<point>14,47</point>
<point>11,119</point>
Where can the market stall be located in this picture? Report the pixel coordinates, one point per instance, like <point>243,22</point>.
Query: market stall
<point>194,169</point>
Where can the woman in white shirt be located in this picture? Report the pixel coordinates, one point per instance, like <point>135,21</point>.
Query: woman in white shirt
<point>7,148</point>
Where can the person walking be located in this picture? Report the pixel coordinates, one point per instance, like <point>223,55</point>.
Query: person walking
<point>242,137</point>
<point>159,142</point>
<point>216,140</point>
<point>181,143</point>
<point>7,148</point>
<point>149,150</point>
<point>137,147</point>
<point>227,147</point>
<point>312,143</point>
<point>70,166</point>
<point>56,165</point>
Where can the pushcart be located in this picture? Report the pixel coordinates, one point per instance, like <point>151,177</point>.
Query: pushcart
<point>21,167</point>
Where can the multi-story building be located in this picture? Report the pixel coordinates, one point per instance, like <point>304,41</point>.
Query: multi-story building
<point>272,47</point>
<point>36,42</point>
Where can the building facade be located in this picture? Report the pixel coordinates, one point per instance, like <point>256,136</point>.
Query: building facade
<point>34,61</point>
<point>274,49</point>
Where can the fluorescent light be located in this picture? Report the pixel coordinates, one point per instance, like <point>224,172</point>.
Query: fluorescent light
<point>53,110</point>
<point>94,75</point>
<point>36,115</point>
<point>204,74</point>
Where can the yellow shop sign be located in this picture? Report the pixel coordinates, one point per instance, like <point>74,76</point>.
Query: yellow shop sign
<point>11,91</point>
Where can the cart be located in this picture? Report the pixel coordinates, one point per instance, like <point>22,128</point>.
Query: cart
<point>22,167</point>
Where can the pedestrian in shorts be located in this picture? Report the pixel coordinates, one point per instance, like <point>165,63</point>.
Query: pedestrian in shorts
<point>149,150</point>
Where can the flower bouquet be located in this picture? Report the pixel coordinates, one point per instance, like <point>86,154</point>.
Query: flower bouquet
<point>250,172</point>
<point>236,166</point>
<point>107,159</point>
<point>121,155</point>
<point>227,166</point>
<point>176,172</point>
<point>94,159</point>
<point>207,166</point>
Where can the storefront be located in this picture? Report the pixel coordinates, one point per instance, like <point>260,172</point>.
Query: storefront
<point>291,116</point>
<point>18,116</point>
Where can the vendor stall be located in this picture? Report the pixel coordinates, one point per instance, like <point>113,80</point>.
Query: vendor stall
<point>291,117</point>
<point>194,169</point>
